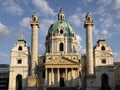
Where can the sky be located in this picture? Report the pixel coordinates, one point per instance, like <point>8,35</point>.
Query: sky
<point>16,14</point>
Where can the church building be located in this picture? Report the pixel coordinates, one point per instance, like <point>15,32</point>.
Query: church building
<point>61,66</point>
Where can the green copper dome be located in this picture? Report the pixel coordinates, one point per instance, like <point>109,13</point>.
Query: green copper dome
<point>61,24</point>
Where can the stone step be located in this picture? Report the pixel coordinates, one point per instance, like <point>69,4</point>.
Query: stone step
<point>61,88</point>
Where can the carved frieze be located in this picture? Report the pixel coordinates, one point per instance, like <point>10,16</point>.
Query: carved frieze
<point>61,61</point>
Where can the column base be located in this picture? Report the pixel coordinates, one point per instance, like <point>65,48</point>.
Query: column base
<point>32,81</point>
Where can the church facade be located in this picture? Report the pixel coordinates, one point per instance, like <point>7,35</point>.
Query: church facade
<point>61,65</point>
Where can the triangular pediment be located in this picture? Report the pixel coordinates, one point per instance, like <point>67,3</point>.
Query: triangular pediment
<point>63,61</point>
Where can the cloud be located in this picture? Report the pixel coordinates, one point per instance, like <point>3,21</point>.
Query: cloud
<point>95,31</point>
<point>80,47</point>
<point>104,3</point>
<point>89,0</point>
<point>43,6</point>
<point>41,48</point>
<point>85,2</point>
<point>78,17</point>
<point>118,15</point>
<point>45,24</point>
<point>4,31</point>
<point>79,39</point>
<point>75,19</point>
<point>104,32</point>
<point>11,6</point>
<point>3,54</point>
<point>108,22</point>
<point>116,56</point>
<point>117,27</point>
<point>117,4</point>
<point>4,58</point>
<point>103,6</point>
<point>25,23</point>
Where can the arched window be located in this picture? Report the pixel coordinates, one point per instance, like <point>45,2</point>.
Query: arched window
<point>61,31</point>
<point>61,47</point>
<point>103,48</point>
<point>19,82</point>
<point>61,17</point>
<point>34,18</point>
<point>89,18</point>
<point>20,48</point>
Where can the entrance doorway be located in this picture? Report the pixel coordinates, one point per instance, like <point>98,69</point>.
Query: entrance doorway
<point>104,82</point>
<point>19,82</point>
<point>62,83</point>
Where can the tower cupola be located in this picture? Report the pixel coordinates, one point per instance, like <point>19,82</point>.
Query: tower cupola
<point>88,19</point>
<point>35,16</point>
<point>88,16</point>
<point>61,15</point>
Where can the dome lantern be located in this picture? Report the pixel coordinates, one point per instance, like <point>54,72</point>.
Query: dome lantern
<point>61,15</point>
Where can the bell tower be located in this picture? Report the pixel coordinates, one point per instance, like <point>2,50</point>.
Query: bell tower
<point>19,66</point>
<point>88,24</point>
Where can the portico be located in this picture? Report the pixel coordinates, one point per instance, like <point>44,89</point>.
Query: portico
<point>62,72</point>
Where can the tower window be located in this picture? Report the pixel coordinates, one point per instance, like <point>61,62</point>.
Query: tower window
<point>103,48</point>
<point>19,61</point>
<point>61,47</point>
<point>103,61</point>
<point>34,18</point>
<point>61,31</point>
<point>88,18</point>
<point>20,48</point>
<point>61,17</point>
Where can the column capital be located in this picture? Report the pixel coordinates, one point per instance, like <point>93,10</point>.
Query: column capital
<point>88,20</point>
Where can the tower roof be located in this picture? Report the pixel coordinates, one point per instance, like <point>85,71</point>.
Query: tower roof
<point>88,14</point>
<point>35,14</point>
<point>61,11</point>
<point>101,39</point>
<point>21,39</point>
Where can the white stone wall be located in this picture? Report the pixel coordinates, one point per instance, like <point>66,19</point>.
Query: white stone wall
<point>103,67</point>
<point>54,41</point>
<point>19,68</point>
<point>106,54</point>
